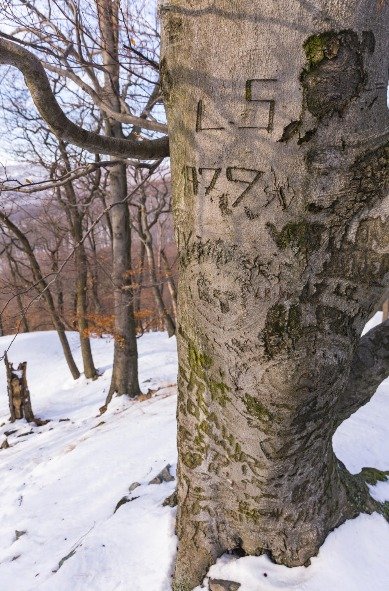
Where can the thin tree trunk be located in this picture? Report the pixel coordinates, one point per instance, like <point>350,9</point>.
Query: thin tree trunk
<point>23,323</point>
<point>138,290</point>
<point>279,167</point>
<point>76,229</point>
<point>125,364</point>
<point>82,310</point>
<point>148,243</point>
<point>94,275</point>
<point>170,283</point>
<point>44,289</point>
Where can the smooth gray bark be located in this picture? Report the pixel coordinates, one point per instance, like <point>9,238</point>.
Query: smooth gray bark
<point>278,132</point>
<point>125,363</point>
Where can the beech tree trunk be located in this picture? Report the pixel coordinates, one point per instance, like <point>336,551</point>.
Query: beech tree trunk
<point>170,284</point>
<point>277,116</point>
<point>125,363</point>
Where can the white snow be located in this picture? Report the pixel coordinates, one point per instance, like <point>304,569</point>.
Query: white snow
<point>61,483</point>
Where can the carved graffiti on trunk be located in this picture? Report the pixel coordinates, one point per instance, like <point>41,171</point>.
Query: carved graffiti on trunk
<point>205,179</point>
<point>258,91</point>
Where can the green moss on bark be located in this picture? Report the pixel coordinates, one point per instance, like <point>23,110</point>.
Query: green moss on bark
<point>299,236</point>
<point>372,475</point>
<point>256,410</point>
<point>319,47</point>
<point>192,460</point>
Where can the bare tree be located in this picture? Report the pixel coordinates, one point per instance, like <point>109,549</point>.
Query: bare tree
<point>152,204</point>
<point>39,282</point>
<point>71,38</point>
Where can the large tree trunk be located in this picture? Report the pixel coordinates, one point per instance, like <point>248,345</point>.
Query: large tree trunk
<point>277,116</point>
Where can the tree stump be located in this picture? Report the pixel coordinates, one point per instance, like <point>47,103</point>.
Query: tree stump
<point>18,393</point>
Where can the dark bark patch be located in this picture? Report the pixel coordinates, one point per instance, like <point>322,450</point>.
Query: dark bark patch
<point>299,236</point>
<point>333,320</point>
<point>204,289</point>
<point>307,136</point>
<point>368,41</point>
<point>174,28</point>
<point>282,329</point>
<point>290,130</point>
<point>166,80</point>
<point>334,74</point>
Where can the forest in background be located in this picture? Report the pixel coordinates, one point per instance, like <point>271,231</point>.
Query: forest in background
<point>45,220</point>
<point>86,240</point>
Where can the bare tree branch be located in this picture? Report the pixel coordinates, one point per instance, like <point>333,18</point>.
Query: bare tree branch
<point>52,183</point>
<point>122,117</point>
<point>49,109</point>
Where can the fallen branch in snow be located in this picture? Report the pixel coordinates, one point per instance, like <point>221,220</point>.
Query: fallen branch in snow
<point>73,549</point>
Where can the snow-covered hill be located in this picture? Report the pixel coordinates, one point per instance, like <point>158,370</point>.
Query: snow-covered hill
<point>60,484</point>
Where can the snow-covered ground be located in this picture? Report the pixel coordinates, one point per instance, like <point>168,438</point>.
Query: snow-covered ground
<point>60,484</point>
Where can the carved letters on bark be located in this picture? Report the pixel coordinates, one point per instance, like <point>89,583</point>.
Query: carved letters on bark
<point>257,90</point>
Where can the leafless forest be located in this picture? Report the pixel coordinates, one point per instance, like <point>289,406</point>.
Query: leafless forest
<point>86,241</point>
